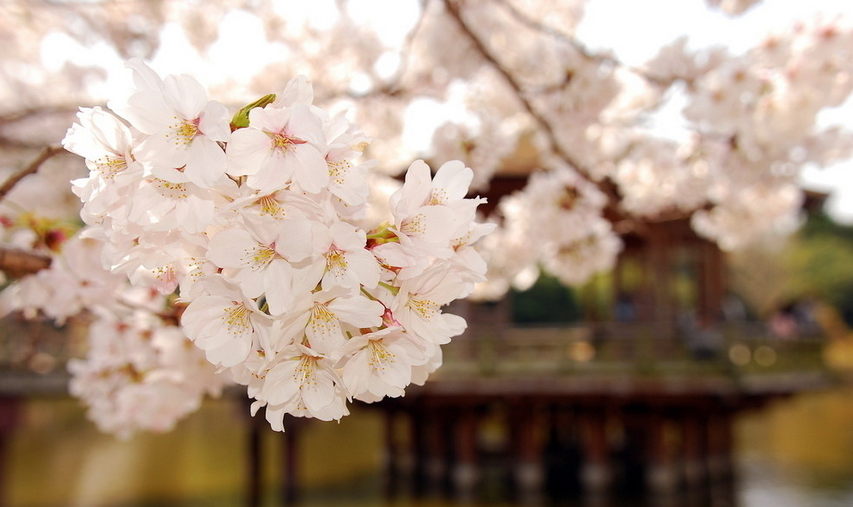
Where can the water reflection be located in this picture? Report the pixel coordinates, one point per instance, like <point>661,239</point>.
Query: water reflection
<point>796,453</point>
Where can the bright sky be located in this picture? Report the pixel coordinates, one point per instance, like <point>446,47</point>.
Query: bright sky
<point>635,30</point>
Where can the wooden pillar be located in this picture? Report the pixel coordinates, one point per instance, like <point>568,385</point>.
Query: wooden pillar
<point>661,247</point>
<point>596,473</point>
<point>693,450</point>
<point>290,479</point>
<point>720,443</point>
<point>417,447</point>
<point>712,284</point>
<point>466,475</point>
<point>253,460</point>
<point>9,415</point>
<point>661,477</point>
<point>435,452</point>
<point>528,468</point>
<point>400,452</point>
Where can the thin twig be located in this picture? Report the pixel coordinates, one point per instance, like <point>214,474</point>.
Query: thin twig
<point>584,51</point>
<point>31,168</point>
<point>481,48</point>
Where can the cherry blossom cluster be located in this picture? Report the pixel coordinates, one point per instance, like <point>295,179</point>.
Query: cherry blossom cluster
<point>560,212</point>
<point>140,372</point>
<point>261,223</point>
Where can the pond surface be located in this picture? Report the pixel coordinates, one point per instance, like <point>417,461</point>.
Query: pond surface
<point>794,453</point>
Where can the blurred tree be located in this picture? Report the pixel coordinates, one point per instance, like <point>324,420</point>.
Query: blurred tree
<point>547,302</point>
<point>507,86</point>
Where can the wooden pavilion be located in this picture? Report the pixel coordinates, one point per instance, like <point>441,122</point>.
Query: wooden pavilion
<point>642,393</point>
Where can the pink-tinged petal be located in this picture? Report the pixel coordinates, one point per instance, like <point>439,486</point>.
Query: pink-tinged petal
<point>144,77</point>
<point>334,410</point>
<point>169,173</point>
<point>206,163</point>
<point>274,415</point>
<point>454,324</point>
<point>415,191</point>
<point>230,248</point>
<point>268,119</point>
<point>273,176</point>
<point>433,224</point>
<point>306,279</point>
<point>294,241</point>
<point>231,354</point>
<point>305,125</point>
<point>347,236</point>
<point>247,152</point>
<point>451,182</point>
<point>202,313</point>
<point>195,215</point>
<point>251,281</point>
<point>297,91</point>
<point>311,171</point>
<point>395,371</point>
<point>324,329</point>
<point>147,112</point>
<point>365,267</point>
<point>358,311</point>
<point>352,192</point>
<point>161,149</point>
<point>394,254</point>
<point>357,372</point>
<point>278,286</point>
<point>214,121</point>
<point>279,386</point>
<point>185,95</point>
<point>318,394</point>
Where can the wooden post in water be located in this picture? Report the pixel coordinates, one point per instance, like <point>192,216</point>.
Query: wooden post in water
<point>719,439</point>
<point>435,451</point>
<point>395,478</point>
<point>254,459</point>
<point>465,472</point>
<point>290,476</point>
<point>693,450</point>
<point>9,413</point>
<point>596,473</point>
<point>661,477</point>
<point>529,470</point>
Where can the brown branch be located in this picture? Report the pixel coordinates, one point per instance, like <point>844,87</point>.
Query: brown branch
<point>556,147</point>
<point>31,168</point>
<point>516,86</point>
<point>16,262</point>
<point>13,117</point>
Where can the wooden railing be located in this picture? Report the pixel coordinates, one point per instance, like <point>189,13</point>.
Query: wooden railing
<point>637,348</point>
<point>33,355</point>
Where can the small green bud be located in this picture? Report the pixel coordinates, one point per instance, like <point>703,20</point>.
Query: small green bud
<point>241,118</point>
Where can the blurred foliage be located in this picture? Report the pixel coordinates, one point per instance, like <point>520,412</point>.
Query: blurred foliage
<point>548,301</point>
<point>820,260</point>
<point>815,264</point>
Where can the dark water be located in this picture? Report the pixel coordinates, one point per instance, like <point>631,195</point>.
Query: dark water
<point>796,453</point>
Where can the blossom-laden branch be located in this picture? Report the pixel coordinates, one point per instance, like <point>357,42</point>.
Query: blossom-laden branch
<point>257,223</point>
<point>31,168</point>
<point>16,262</point>
<point>546,127</point>
<point>483,50</point>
